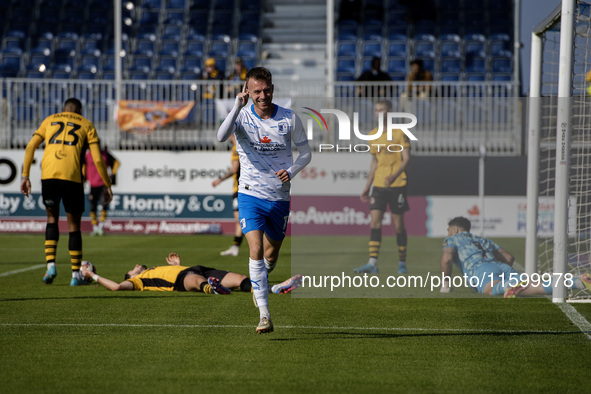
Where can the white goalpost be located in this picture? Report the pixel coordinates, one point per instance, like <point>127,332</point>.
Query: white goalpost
<point>558,239</point>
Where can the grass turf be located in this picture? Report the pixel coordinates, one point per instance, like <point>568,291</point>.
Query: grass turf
<point>55,338</point>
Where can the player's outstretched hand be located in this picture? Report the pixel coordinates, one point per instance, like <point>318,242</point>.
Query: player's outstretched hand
<point>173,259</point>
<point>243,96</point>
<point>283,176</point>
<point>365,196</point>
<point>26,186</point>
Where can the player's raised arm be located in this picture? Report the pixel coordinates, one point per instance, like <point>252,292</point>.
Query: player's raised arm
<point>228,126</point>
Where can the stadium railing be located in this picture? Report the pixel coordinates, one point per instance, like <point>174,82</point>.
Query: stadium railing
<point>452,117</point>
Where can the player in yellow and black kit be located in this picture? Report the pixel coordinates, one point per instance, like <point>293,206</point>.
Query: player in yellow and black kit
<point>67,135</point>
<point>387,173</point>
<point>175,277</point>
<point>234,172</point>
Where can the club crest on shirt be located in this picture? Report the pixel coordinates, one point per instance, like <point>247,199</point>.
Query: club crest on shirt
<point>282,128</point>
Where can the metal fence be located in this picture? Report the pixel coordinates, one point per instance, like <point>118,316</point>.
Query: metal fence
<point>452,118</point>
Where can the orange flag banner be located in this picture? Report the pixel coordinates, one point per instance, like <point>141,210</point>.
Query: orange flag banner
<point>143,117</point>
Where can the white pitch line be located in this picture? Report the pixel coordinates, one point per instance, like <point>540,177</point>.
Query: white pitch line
<point>475,330</point>
<point>34,267</point>
<point>577,319</point>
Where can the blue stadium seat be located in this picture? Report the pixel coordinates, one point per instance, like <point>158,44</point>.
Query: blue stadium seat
<point>175,4</point>
<point>347,48</point>
<point>372,48</point>
<point>450,49</point>
<point>170,48</point>
<point>141,63</point>
<point>42,46</point>
<point>191,63</point>
<point>13,44</point>
<point>397,33</point>
<point>428,63</point>
<point>175,18</point>
<point>36,60</point>
<point>167,64</point>
<point>424,30</point>
<point>397,48</point>
<point>345,76</point>
<point>11,62</point>
<point>67,44</point>
<point>249,62</point>
<point>138,75</point>
<point>475,64</point>
<point>90,46</point>
<point>172,32</point>
<point>500,48</point>
<point>451,77</point>
<point>145,47</point>
<point>502,77</point>
<point>89,63</point>
<point>475,77</point>
<point>219,49</point>
<point>195,48</point>
<point>198,17</point>
<point>164,76</point>
<point>373,32</point>
<point>397,76</point>
<point>147,32</point>
<point>474,48</point>
<point>35,74</point>
<point>424,49</point>
<point>61,74</point>
<point>149,17</point>
<point>396,65</point>
<point>346,64</point>
<point>246,49</point>
<point>502,65</point>
<point>152,4</point>
<point>451,66</point>
<point>86,75</point>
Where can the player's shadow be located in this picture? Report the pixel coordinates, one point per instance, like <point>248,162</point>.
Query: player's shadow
<point>340,335</point>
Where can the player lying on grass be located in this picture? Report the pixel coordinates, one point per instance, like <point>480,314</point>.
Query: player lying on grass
<point>482,258</point>
<point>175,277</point>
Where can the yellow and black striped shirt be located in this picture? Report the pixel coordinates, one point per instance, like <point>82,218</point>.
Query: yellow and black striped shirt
<point>162,278</point>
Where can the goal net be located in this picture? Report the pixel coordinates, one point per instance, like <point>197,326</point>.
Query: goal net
<point>558,239</point>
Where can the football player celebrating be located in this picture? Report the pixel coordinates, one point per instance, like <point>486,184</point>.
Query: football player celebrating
<point>264,133</point>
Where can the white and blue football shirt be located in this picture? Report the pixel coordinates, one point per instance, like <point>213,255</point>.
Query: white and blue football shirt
<point>264,146</point>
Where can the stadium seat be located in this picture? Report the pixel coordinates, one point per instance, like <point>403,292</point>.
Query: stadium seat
<point>195,48</point>
<point>346,65</point>
<point>502,77</point>
<point>89,63</point>
<point>397,76</point>
<point>373,32</point>
<point>145,47</point>
<point>500,48</point>
<point>475,64</point>
<point>164,76</point>
<point>175,18</point>
<point>424,49</point>
<point>347,48</point>
<point>43,46</point>
<point>90,46</point>
<point>13,44</point>
<point>474,48</point>
<point>345,76</point>
<point>450,49</point>
<point>501,65</point>
<point>450,77</point>
<point>475,77</point>
<point>167,64</point>
<point>172,32</point>
<point>397,33</point>
<point>396,65</point>
<point>424,30</point>
<point>141,63</point>
<point>86,75</point>
<point>147,32</point>
<point>149,17</point>
<point>249,62</point>
<point>372,48</point>
<point>219,49</point>
<point>175,4</point>
<point>246,49</point>
<point>11,62</point>
<point>191,63</point>
<point>170,48</point>
<point>397,48</point>
<point>428,63</point>
<point>450,66</point>
<point>138,75</point>
<point>36,60</point>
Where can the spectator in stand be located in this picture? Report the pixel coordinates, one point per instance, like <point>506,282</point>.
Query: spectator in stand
<point>374,74</point>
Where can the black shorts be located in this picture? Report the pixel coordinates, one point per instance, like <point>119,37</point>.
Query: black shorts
<point>56,190</point>
<point>206,272</point>
<point>98,194</point>
<point>395,197</point>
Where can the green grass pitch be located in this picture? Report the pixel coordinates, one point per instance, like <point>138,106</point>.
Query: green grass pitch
<point>58,339</point>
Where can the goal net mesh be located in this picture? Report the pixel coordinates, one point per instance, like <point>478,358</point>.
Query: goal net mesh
<point>579,212</point>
